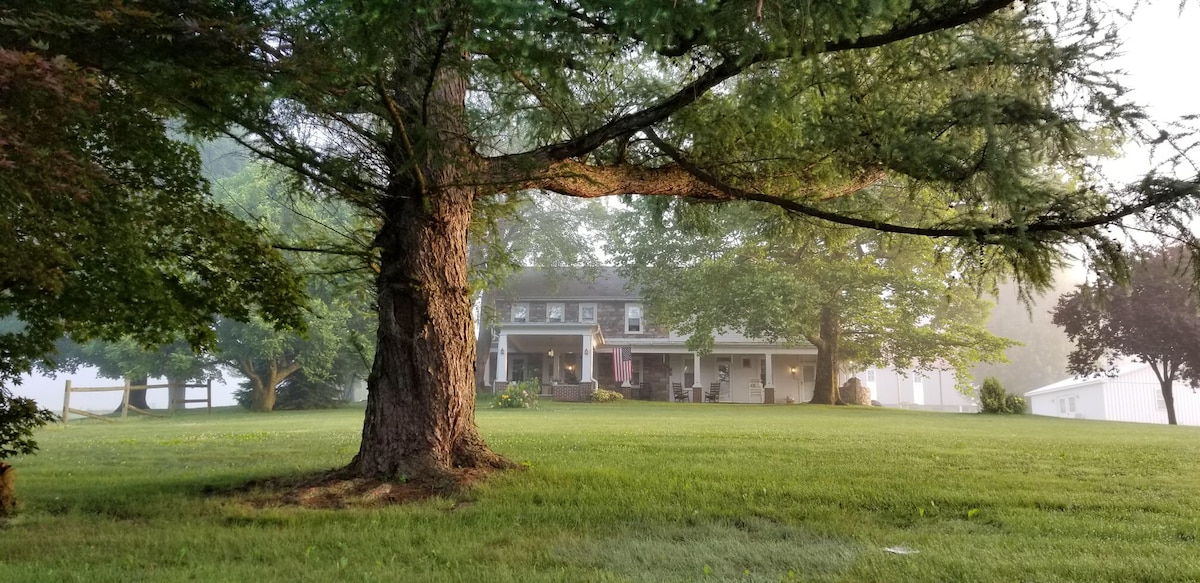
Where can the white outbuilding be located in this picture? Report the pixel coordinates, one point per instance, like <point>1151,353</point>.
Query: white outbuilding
<point>1132,395</point>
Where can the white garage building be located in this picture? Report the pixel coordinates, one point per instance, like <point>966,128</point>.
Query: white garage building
<point>1133,395</point>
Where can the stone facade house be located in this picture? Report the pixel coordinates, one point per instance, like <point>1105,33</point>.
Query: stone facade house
<point>561,332</point>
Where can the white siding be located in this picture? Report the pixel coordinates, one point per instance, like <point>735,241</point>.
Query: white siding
<point>938,392</point>
<point>787,385</point>
<point>1132,396</point>
<point>1135,397</point>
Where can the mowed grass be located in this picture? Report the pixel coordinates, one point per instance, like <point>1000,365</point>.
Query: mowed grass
<point>627,492</point>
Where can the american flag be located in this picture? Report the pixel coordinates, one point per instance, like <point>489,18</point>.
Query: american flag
<point>623,364</point>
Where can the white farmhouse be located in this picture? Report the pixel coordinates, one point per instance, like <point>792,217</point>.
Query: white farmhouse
<point>1133,395</point>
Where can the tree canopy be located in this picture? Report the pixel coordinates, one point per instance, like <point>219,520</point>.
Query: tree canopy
<point>107,229</point>
<point>859,296</point>
<point>1153,318</point>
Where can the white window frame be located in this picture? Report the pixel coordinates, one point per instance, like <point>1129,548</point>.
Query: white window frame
<point>513,313</point>
<point>584,320</point>
<point>1071,404</point>
<point>641,319</point>
<point>870,375</point>
<point>562,312</point>
<point>808,373</point>
<point>1062,406</point>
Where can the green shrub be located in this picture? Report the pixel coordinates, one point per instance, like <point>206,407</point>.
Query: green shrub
<point>993,399</point>
<point>1014,404</point>
<point>522,395</point>
<point>19,418</point>
<point>605,395</point>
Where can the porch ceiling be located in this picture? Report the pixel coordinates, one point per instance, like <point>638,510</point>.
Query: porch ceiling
<point>532,344</point>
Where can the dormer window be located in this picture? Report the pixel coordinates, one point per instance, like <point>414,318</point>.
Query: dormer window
<point>633,319</point>
<point>587,313</point>
<point>520,312</point>
<point>554,312</point>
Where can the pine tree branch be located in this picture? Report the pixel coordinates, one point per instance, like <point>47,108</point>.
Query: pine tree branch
<point>326,251</point>
<point>984,233</point>
<point>573,178</point>
<point>731,67</point>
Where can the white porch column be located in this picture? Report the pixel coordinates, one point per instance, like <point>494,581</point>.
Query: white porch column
<point>585,363</point>
<point>770,384</point>
<point>502,359</point>
<point>696,371</point>
<point>556,367</point>
<point>487,370</point>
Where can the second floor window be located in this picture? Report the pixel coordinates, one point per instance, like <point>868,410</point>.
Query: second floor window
<point>587,313</point>
<point>633,318</point>
<point>554,312</point>
<point>520,312</point>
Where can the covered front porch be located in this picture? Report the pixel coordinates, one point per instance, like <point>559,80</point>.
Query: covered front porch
<point>551,355</point>
<point>744,374</point>
<point>565,359</point>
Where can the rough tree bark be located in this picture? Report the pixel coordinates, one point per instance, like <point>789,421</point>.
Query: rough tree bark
<point>8,497</point>
<point>420,406</point>
<point>825,391</point>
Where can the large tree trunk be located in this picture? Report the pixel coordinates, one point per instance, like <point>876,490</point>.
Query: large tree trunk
<point>825,391</point>
<point>264,394</point>
<point>421,400</point>
<point>176,394</point>
<point>8,495</point>
<point>264,384</point>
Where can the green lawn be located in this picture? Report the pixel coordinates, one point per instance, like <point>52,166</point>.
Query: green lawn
<point>627,492</point>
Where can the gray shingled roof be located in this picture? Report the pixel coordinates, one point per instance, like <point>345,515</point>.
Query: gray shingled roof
<point>601,283</point>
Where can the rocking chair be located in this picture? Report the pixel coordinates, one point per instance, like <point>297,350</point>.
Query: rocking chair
<point>714,393</point>
<point>681,395</point>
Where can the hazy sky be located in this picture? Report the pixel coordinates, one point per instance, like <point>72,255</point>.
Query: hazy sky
<point>1161,57</point>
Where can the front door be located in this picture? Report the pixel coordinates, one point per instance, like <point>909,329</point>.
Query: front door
<point>517,367</point>
<point>723,367</point>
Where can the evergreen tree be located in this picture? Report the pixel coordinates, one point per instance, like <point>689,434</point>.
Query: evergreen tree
<point>418,112</point>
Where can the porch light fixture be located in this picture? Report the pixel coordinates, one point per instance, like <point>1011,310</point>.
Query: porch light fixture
<point>550,353</point>
<point>570,368</point>
<point>792,370</point>
<point>501,352</point>
<point>585,352</point>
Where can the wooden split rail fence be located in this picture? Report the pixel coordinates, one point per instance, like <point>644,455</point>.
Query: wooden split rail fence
<point>126,407</point>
